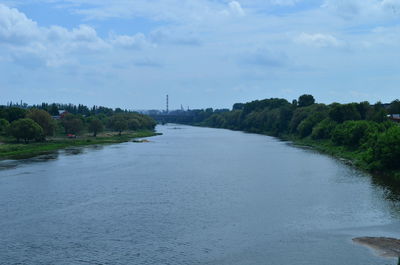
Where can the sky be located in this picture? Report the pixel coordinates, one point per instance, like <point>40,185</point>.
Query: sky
<point>202,53</point>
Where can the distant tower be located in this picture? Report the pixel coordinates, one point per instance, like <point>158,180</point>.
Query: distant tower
<point>167,104</point>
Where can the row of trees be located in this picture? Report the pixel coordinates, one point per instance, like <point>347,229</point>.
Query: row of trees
<point>36,124</point>
<point>360,127</point>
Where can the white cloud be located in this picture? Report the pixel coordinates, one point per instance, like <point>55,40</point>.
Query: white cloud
<point>26,41</point>
<point>391,6</point>
<point>175,36</point>
<point>15,27</point>
<point>236,9</point>
<point>187,45</point>
<point>366,10</point>
<point>136,41</point>
<point>318,40</point>
<point>285,2</point>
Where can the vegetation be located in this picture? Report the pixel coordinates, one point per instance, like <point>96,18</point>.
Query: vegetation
<point>26,129</point>
<point>358,131</point>
<point>51,127</point>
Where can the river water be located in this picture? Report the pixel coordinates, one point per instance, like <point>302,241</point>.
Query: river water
<point>191,196</point>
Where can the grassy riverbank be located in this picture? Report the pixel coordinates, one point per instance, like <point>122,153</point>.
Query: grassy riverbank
<point>12,149</point>
<point>353,157</point>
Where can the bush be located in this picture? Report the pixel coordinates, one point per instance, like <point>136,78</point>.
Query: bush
<point>385,153</point>
<point>354,133</point>
<point>324,129</point>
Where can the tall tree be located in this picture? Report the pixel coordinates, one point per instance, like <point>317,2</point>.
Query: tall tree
<point>95,126</point>
<point>306,100</point>
<point>44,119</point>
<point>26,129</point>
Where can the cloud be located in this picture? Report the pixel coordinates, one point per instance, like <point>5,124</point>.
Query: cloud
<point>175,36</point>
<point>30,45</point>
<point>236,9</point>
<point>319,40</point>
<point>391,6</point>
<point>265,58</point>
<point>285,2</point>
<point>197,44</point>
<point>136,41</point>
<point>15,27</point>
<point>368,10</point>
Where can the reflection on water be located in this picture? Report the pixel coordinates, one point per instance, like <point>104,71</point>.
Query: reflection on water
<point>74,151</point>
<point>193,196</point>
<point>9,164</point>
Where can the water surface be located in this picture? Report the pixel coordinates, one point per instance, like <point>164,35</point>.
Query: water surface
<point>191,196</point>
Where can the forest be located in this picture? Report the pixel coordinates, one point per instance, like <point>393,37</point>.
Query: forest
<point>47,120</point>
<point>368,134</point>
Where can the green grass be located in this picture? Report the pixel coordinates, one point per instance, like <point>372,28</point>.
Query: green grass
<point>11,149</point>
<point>353,157</point>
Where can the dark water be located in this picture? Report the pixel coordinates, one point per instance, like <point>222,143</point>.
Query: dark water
<point>191,196</point>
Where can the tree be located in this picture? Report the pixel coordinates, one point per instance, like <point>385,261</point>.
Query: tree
<point>4,124</point>
<point>118,123</point>
<point>95,126</point>
<point>53,109</point>
<point>306,126</point>
<point>306,100</point>
<point>394,107</point>
<point>344,112</point>
<point>385,154</point>
<point>44,119</point>
<point>354,133</point>
<point>133,124</point>
<point>324,129</point>
<point>238,106</point>
<point>26,129</point>
<point>13,113</point>
<point>72,124</point>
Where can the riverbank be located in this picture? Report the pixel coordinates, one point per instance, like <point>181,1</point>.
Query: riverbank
<point>15,150</point>
<point>349,157</point>
<point>355,157</point>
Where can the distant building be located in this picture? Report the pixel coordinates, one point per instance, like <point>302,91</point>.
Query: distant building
<point>394,117</point>
<point>61,114</point>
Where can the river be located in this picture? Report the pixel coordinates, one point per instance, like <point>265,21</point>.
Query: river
<point>191,196</point>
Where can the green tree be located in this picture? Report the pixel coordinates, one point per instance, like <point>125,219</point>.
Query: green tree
<point>305,100</point>
<point>344,112</point>
<point>324,129</point>
<point>394,107</point>
<point>72,123</point>
<point>118,123</point>
<point>53,109</point>
<point>385,153</point>
<point>44,119</point>
<point>26,129</point>
<point>95,126</point>
<point>4,124</point>
<point>306,126</point>
<point>13,113</point>
<point>133,124</point>
<point>354,133</point>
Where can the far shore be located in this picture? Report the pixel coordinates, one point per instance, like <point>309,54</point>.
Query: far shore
<point>15,150</point>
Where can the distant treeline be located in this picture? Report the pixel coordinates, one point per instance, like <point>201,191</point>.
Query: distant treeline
<point>362,128</point>
<point>38,121</point>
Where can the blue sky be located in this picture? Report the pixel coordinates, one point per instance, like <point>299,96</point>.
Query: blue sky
<point>203,53</point>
